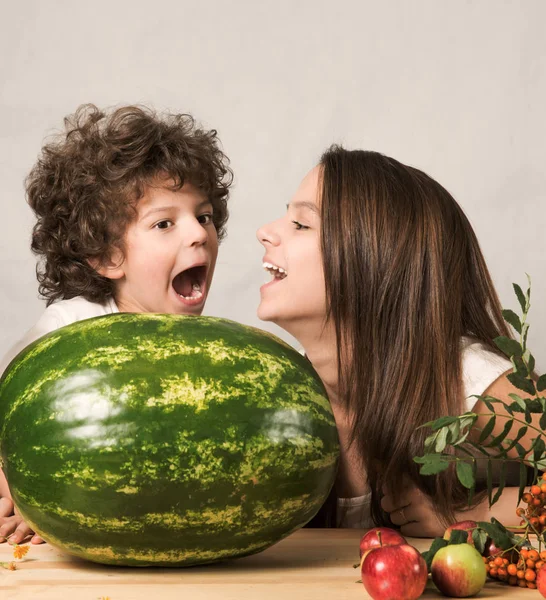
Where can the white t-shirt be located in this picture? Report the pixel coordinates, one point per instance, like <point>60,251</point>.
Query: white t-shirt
<point>480,368</point>
<point>58,315</point>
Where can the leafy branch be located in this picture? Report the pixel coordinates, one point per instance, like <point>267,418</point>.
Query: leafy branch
<point>450,442</point>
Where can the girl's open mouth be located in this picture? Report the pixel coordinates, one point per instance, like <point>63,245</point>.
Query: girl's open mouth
<point>190,285</point>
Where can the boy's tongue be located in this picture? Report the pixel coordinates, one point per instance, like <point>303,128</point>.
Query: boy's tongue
<point>187,283</point>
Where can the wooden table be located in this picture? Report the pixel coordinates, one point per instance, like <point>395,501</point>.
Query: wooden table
<point>312,564</point>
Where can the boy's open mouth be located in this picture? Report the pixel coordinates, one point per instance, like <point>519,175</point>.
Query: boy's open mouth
<point>190,284</point>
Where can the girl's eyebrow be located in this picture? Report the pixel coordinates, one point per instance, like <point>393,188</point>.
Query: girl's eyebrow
<point>302,204</point>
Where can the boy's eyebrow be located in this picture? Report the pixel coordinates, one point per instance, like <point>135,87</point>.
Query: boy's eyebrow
<point>302,204</point>
<point>169,207</point>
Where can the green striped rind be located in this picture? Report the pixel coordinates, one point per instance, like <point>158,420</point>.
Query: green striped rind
<point>161,439</point>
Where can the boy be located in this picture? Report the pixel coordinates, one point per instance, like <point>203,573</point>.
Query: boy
<point>130,208</point>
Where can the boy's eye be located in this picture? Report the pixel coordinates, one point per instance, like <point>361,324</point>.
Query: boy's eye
<point>205,219</point>
<point>165,224</point>
<point>299,225</point>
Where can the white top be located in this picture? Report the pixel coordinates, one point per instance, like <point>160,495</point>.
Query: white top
<point>58,315</point>
<point>480,368</point>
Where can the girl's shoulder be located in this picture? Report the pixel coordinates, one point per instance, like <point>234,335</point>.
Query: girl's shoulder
<point>481,366</point>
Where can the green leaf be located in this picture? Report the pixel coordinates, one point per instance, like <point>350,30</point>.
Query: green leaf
<point>479,537</point>
<point>502,482</point>
<point>519,366</point>
<point>442,422</point>
<point>513,443</point>
<point>513,319</point>
<point>541,383</point>
<point>524,333</point>
<point>519,401</point>
<point>521,383</point>
<point>530,360</point>
<point>441,440</point>
<point>486,431</point>
<point>434,547</point>
<point>534,405</point>
<point>454,431</point>
<point>522,480</point>
<point>473,488</point>
<point>498,535</point>
<point>432,463</point>
<point>458,536</point>
<point>520,296</point>
<point>538,448</point>
<point>432,468</point>
<point>508,346</point>
<point>542,423</point>
<point>497,440</point>
<point>430,441</point>
<point>465,474</point>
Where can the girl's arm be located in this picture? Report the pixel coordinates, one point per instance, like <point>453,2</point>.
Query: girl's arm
<point>414,513</point>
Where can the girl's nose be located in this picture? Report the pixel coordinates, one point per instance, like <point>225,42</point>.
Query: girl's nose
<point>266,235</point>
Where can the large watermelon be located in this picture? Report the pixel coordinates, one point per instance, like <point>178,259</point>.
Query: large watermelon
<point>141,439</point>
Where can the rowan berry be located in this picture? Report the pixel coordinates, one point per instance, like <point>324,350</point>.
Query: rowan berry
<point>522,583</point>
<point>530,575</point>
<point>493,572</point>
<point>520,574</point>
<point>512,581</point>
<point>524,553</point>
<point>533,555</point>
<point>539,564</point>
<point>520,512</point>
<point>505,562</point>
<point>512,569</point>
<point>531,585</point>
<point>498,561</point>
<point>542,519</point>
<point>543,487</point>
<point>537,502</point>
<point>535,490</point>
<point>543,555</point>
<point>544,475</point>
<point>527,498</point>
<point>530,564</point>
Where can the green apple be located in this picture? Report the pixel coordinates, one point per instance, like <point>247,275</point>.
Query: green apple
<point>458,570</point>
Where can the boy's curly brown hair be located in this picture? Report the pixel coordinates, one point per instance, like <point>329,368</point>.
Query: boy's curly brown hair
<point>87,181</point>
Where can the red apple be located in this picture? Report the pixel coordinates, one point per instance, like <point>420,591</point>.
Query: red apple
<point>491,550</point>
<point>541,581</point>
<point>465,526</point>
<point>394,573</point>
<point>389,537</point>
<point>458,570</point>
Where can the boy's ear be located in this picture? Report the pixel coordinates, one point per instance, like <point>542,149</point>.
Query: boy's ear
<point>112,268</point>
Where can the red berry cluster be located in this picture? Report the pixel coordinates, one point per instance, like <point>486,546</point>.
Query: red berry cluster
<point>535,512</point>
<point>520,566</point>
<point>520,569</point>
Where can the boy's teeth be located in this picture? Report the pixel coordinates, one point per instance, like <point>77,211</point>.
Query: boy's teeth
<point>196,287</point>
<point>198,294</point>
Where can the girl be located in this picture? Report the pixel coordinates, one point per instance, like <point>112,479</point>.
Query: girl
<point>379,275</point>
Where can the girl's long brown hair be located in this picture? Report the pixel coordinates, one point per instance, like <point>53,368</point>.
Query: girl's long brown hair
<point>405,280</point>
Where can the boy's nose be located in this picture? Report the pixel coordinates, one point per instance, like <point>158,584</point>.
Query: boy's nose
<point>196,234</point>
<point>266,235</point>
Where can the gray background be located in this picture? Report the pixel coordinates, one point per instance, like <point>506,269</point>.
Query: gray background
<point>456,88</point>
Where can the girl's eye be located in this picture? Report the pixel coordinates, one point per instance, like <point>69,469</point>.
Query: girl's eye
<point>299,225</point>
<point>165,224</point>
<point>205,219</point>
